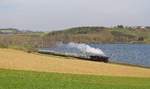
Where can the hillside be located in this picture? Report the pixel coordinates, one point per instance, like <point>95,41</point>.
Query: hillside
<point>30,41</point>
<point>102,35</point>
<point>19,60</point>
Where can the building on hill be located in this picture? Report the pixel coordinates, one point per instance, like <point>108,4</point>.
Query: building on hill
<point>9,31</point>
<point>138,27</point>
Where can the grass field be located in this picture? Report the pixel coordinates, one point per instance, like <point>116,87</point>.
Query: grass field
<point>54,72</point>
<point>10,79</point>
<point>19,60</point>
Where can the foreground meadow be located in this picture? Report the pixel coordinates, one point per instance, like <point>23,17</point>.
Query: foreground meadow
<point>10,79</point>
<point>55,72</point>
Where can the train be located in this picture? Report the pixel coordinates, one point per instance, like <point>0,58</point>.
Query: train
<point>87,56</point>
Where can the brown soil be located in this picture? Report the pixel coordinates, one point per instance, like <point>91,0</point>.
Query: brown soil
<point>19,60</point>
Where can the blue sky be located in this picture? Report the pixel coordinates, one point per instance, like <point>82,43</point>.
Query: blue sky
<point>59,14</point>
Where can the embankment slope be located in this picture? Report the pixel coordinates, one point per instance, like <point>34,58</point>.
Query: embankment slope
<point>19,60</point>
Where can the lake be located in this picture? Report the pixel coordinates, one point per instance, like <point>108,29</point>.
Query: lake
<point>136,54</point>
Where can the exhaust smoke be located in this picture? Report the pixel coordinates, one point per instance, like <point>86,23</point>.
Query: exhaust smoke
<point>82,48</point>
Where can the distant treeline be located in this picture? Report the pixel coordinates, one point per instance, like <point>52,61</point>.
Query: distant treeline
<point>118,34</point>
<point>28,40</point>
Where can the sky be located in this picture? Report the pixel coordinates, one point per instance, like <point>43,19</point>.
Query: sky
<point>48,15</point>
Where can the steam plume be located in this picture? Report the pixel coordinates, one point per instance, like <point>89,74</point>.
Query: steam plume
<point>84,48</point>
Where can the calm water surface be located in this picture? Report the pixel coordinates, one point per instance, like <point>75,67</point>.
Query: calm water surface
<point>138,54</point>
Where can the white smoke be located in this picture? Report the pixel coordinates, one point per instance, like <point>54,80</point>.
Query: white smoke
<point>86,48</point>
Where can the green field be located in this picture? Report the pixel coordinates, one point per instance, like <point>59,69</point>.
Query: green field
<point>10,79</point>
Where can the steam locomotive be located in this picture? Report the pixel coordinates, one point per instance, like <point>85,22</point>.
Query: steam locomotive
<point>87,56</point>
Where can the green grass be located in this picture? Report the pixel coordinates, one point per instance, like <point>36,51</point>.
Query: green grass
<point>10,79</point>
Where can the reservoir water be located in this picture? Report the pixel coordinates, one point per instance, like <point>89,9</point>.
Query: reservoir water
<point>136,54</point>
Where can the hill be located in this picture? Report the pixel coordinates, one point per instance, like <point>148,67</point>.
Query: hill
<point>23,70</point>
<point>30,41</point>
<point>19,60</point>
<point>102,35</point>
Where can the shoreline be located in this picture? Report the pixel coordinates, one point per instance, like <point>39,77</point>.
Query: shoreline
<point>132,65</point>
<point>109,62</point>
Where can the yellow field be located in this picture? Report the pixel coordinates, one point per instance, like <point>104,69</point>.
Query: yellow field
<point>19,60</point>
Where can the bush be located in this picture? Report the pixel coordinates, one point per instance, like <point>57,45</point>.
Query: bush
<point>26,48</point>
<point>3,46</point>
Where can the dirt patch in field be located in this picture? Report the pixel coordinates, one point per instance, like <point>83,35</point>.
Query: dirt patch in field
<point>19,60</point>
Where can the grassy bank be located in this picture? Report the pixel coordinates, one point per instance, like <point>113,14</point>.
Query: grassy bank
<point>10,79</point>
<point>19,60</point>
